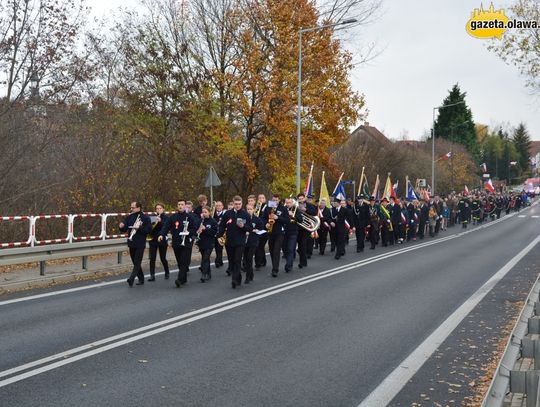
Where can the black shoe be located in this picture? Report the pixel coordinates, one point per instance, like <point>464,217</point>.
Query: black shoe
<point>287,269</point>
<point>274,273</point>
<point>177,283</point>
<point>233,284</point>
<point>300,266</point>
<point>228,272</point>
<point>140,282</point>
<point>246,280</point>
<point>321,253</point>
<point>152,278</point>
<point>359,250</point>
<point>130,282</point>
<point>309,256</point>
<point>337,256</point>
<point>166,276</point>
<point>372,248</point>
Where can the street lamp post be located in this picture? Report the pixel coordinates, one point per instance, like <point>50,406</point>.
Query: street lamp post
<point>433,144</point>
<point>299,107</point>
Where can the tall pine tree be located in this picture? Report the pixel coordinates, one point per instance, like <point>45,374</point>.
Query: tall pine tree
<point>522,142</point>
<point>455,123</point>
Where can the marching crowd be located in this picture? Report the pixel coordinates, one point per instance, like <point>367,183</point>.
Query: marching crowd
<point>294,228</point>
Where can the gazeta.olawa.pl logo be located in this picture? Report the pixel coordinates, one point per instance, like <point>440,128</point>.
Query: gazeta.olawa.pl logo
<point>493,23</point>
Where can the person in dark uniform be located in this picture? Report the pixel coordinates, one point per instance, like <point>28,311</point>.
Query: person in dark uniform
<point>218,214</point>
<point>423,218</point>
<point>385,222</point>
<point>291,234</point>
<point>207,236</point>
<point>464,212</point>
<point>139,225</point>
<point>303,234</point>
<point>395,212</point>
<point>343,223</point>
<point>412,216</point>
<point>203,202</point>
<point>184,231</point>
<point>235,223</point>
<point>361,218</point>
<point>475,210</point>
<point>252,243</point>
<point>332,232</point>
<point>374,219</point>
<point>276,217</point>
<point>260,210</point>
<point>162,246</point>
<point>311,209</point>
<point>326,218</point>
<point>499,205</point>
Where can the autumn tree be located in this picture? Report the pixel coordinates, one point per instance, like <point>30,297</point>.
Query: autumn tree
<point>521,48</point>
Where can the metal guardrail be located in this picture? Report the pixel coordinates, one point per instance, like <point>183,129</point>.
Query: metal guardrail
<point>42,254</point>
<point>524,343</point>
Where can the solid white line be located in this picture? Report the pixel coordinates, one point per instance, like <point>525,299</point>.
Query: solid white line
<point>535,216</point>
<point>522,216</point>
<point>395,381</point>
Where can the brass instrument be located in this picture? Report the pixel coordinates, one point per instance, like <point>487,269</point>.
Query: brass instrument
<point>270,224</point>
<point>258,208</point>
<point>184,233</point>
<point>213,209</point>
<point>133,228</point>
<point>309,222</point>
<point>223,239</point>
<point>155,221</point>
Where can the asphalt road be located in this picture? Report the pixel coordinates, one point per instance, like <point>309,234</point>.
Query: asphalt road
<point>327,335</point>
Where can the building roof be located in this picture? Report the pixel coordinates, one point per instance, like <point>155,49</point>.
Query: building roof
<point>535,148</point>
<point>370,134</point>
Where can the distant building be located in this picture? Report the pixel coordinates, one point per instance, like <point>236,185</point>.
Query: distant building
<point>370,135</point>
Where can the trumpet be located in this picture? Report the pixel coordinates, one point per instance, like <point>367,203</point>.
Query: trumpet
<point>135,227</point>
<point>309,222</point>
<point>184,233</point>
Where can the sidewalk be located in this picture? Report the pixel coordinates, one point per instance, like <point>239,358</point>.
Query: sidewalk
<point>26,276</point>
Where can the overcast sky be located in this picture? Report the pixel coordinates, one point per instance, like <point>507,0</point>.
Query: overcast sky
<point>424,51</point>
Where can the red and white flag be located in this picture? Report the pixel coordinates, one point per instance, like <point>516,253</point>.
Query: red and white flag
<point>489,186</point>
<point>447,156</point>
<point>466,191</point>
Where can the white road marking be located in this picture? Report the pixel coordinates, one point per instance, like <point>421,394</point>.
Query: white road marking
<point>395,381</point>
<point>522,216</point>
<point>535,216</point>
<point>94,348</point>
<point>74,355</point>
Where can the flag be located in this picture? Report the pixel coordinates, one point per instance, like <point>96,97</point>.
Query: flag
<point>447,156</point>
<point>376,188</point>
<point>489,186</point>
<point>337,184</point>
<point>387,187</point>
<point>365,187</point>
<point>339,192</point>
<point>466,191</point>
<point>513,162</point>
<point>411,195</point>
<point>308,191</point>
<point>395,188</point>
<point>324,191</point>
<point>484,167</point>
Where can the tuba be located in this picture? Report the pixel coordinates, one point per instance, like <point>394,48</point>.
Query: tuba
<point>309,222</point>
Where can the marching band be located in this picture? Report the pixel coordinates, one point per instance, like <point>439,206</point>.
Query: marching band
<point>294,227</point>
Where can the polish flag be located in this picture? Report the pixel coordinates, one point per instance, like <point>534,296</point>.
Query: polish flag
<point>489,186</point>
<point>347,226</point>
<point>466,191</point>
<point>446,156</point>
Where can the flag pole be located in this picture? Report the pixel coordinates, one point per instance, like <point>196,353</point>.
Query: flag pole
<point>361,181</point>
